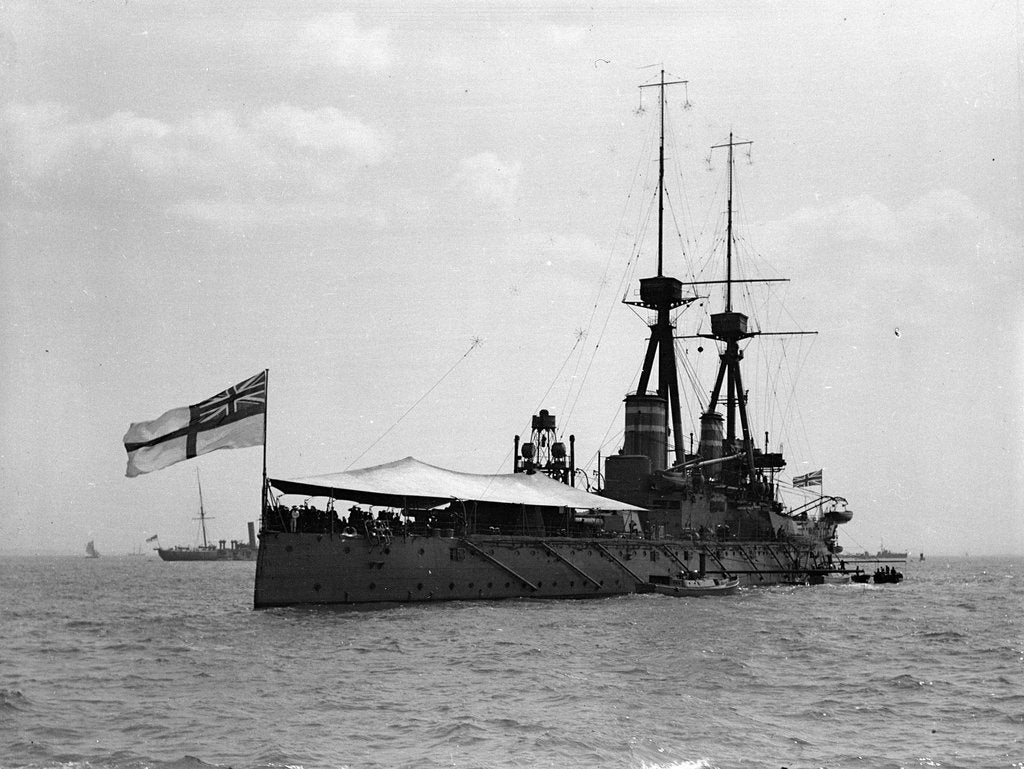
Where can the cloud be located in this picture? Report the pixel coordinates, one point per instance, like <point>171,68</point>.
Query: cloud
<point>939,261</point>
<point>337,40</point>
<point>322,131</point>
<point>282,153</point>
<point>247,214</point>
<point>487,178</point>
<point>942,236</point>
<point>867,219</point>
<point>564,36</point>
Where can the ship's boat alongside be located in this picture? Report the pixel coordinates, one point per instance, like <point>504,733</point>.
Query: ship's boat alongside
<point>696,586</point>
<point>410,532</point>
<point>887,575</point>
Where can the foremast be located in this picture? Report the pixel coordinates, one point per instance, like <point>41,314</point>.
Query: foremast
<point>662,294</point>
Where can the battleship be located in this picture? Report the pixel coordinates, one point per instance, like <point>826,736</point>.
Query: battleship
<point>408,531</point>
<point>222,551</point>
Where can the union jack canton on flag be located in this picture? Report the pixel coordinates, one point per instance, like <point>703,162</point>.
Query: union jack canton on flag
<point>811,479</point>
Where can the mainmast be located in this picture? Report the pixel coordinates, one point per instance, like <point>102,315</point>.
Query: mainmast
<point>661,294</point>
<point>202,512</point>
<point>731,327</point>
<point>735,328</point>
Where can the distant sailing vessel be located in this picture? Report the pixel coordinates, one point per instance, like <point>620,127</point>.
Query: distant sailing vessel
<point>412,532</point>
<point>238,551</point>
<point>90,550</point>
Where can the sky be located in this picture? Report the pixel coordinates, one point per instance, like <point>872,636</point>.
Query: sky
<point>422,218</point>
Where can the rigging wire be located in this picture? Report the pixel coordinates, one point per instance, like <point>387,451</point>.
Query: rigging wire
<point>473,345</point>
<point>626,277</point>
<point>605,440</point>
<point>614,420</point>
<point>689,373</point>
<point>782,373</point>
<point>580,336</point>
<point>791,403</point>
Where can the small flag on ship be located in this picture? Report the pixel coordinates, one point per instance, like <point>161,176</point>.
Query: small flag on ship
<point>231,419</point>
<point>152,539</point>
<point>811,479</point>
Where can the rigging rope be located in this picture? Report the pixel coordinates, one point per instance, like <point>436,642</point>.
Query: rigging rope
<point>475,343</point>
<point>624,281</point>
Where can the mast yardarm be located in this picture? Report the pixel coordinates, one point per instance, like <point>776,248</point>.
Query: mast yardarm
<point>662,294</point>
<point>730,327</point>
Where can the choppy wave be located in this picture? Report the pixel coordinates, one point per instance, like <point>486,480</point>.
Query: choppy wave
<point>179,673</point>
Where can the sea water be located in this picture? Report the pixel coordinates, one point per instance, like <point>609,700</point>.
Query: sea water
<point>129,662</point>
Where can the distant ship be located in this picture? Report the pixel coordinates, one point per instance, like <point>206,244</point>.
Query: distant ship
<point>413,532</point>
<point>237,551</point>
<point>90,550</point>
<point>882,555</point>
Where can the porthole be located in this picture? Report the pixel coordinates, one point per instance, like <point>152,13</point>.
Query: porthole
<point>347,549</point>
<point>451,585</point>
<point>490,585</point>
<point>422,551</point>
<point>373,586</point>
<point>419,586</point>
<point>471,585</point>
<point>507,584</point>
<point>288,548</point>
<point>572,583</point>
<point>316,587</point>
<point>387,550</point>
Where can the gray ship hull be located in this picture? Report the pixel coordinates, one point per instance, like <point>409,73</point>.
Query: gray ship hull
<point>330,569</point>
<point>210,554</point>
